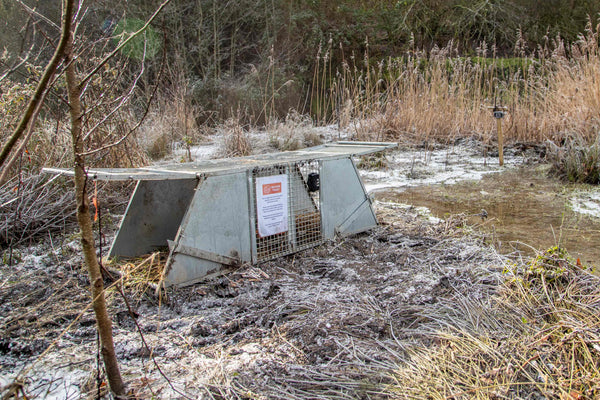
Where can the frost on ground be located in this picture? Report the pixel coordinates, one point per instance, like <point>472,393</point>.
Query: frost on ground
<point>586,202</point>
<point>466,160</point>
<point>330,322</point>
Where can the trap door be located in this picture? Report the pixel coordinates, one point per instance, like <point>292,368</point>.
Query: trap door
<point>154,213</point>
<point>286,215</point>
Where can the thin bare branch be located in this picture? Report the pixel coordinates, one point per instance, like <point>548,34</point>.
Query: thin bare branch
<point>12,69</point>
<point>4,174</point>
<point>124,100</point>
<point>35,14</point>
<point>140,121</point>
<point>43,83</point>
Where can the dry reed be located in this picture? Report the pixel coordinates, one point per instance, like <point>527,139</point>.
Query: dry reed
<point>538,336</point>
<point>440,95</point>
<point>236,142</point>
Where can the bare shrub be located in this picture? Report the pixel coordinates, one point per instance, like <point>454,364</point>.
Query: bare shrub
<point>34,208</point>
<point>295,132</point>
<point>236,142</point>
<point>34,204</point>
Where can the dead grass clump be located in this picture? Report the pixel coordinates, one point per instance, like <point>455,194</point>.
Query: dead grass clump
<point>576,160</point>
<point>539,336</point>
<point>140,273</point>
<point>236,142</point>
<point>295,132</point>
<point>172,123</point>
<point>377,161</point>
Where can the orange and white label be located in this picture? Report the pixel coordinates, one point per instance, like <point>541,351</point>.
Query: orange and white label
<point>271,188</point>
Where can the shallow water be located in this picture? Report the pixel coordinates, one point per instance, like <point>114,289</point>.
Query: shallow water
<point>526,210</point>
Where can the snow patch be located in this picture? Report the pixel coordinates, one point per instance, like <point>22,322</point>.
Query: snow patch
<point>52,383</point>
<point>586,202</point>
<point>448,166</point>
<point>421,211</point>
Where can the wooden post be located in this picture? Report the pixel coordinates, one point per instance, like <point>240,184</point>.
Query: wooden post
<point>499,113</point>
<point>500,141</point>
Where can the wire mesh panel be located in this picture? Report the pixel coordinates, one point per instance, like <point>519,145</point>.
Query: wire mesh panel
<point>286,205</point>
<point>271,241</point>
<point>305,205</point>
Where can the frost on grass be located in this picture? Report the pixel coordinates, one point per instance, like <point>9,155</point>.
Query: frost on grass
<point>330,322</point>
<point>345,320</point>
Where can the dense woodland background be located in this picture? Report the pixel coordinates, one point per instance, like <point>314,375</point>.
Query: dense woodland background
<point>221,54</point>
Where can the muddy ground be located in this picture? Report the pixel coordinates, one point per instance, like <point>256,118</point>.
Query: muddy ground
<point>331,322</point>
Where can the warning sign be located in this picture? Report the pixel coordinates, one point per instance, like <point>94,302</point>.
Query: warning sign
<point>272,204</point>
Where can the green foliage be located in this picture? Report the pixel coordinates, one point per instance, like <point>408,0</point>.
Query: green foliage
<point>145,45</point>
<point>507,66</point>
<point>551,265</point>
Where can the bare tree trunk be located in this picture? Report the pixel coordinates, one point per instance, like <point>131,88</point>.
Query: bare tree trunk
<point>87,235</point>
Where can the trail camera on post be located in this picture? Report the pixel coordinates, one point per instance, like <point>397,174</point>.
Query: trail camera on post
<point>216,214</point>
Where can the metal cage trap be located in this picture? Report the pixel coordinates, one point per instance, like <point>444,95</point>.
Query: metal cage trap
<point>215,214</point>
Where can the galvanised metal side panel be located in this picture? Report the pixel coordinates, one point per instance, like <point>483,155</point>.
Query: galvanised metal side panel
<point>345,206</point>
<point>153,216</point>
<point>186,270</point>
<point>217,223</point>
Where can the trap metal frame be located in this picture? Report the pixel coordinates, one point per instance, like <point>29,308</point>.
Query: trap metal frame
<point>217,214</point>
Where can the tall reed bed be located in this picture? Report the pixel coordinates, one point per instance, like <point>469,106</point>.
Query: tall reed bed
<point>549,92</point>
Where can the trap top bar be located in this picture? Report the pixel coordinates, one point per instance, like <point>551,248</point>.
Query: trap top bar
<point>224,166</point>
